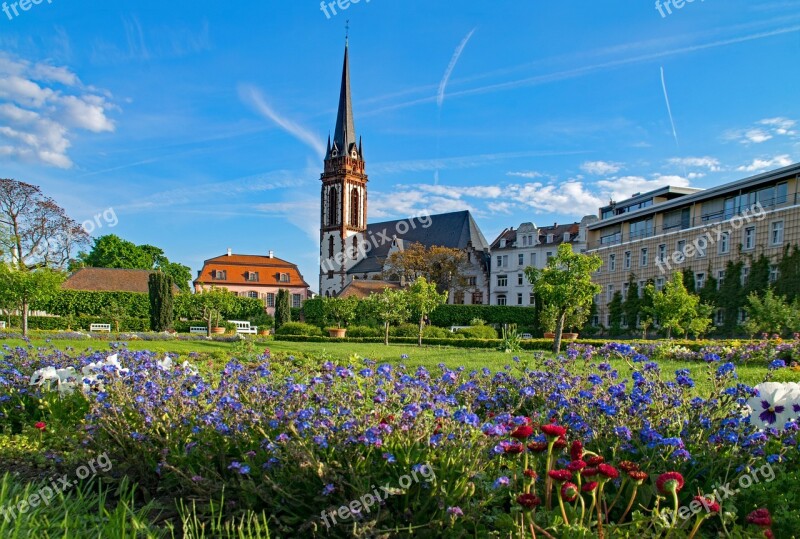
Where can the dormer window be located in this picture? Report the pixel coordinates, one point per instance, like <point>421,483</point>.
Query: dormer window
<point>252,276</point>
<point>502,243</point>
<point>283,277</point>
<point>549,238</point>
<point>219,275</point>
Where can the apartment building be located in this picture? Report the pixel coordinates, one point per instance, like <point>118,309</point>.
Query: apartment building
<point>654,234</point>
<point>529,245</point>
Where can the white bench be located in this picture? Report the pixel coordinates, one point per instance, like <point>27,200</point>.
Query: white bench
<point>453,329</point>
<point>199,330</point>
<point>244,328</point>
<point>527,336</point>
<point>100,327</point>
<point>2,325</point>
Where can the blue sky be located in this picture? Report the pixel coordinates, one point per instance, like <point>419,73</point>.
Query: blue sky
<point>201,123</point>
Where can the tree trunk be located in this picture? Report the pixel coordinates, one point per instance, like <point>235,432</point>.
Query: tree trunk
<point>559,331</point>
<point>421,325</point>
<point>386,333</point>
<point>24,318</point>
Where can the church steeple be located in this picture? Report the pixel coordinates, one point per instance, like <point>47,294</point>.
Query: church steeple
<point>344,136</point>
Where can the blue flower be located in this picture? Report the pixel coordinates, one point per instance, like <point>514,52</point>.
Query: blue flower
<point>328,490</point>
<point>501,482</point>
<point>777,364</point>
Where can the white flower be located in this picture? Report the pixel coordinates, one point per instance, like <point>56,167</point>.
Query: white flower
<point>165,364</point>
<point>775,404</point>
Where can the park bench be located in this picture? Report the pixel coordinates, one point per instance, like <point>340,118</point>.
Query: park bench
<point>100,327</point>
<point>2,325</point>
<point>244,328</point>
<point>527,336</point>
<point>453,329</point>
<point>198,330</point>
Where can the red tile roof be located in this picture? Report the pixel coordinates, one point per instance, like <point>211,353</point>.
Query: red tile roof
<point>109,280</point>
<point>237,266</point>
<point>362,288</point>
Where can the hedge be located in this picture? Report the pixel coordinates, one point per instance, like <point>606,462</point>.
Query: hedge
<point>85,303</point>
<point>56,323</point>
<point>462,315</point>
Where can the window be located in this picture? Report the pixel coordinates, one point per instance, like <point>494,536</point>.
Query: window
<point>773,273</point>
<point>333,207</point>
<point>532,299</point>
<point>720,278</point>
<point>330,247</point>
<point>519,279</point>
<point>355,247</point>
<point>745,274</point>
<point>642,285</point>
<point>330,274</point>
<point>680,247</point>
<point>776,237</point>
<point>662,252</point>
<point>503,243</point>
<point>502,280</point>
<point>472,281</point>
<point>219,275</point>
<point>700,247</point>
<point>501,299</point>
<point>459,298</point>
<point>678,219</point>
<point>610,293</point>
<point>612,262</point>
<point>660,284</point>
<point>520,259</point>
<point>549,255</point>
<point>643,258</point>
<point>252,276</point>
<point>750,238</point>
<point>719,319</point>
<point>477,298</point>
<point>270,299</point>
<point>625,287</point>
<point>252,294</point>
<point>626,261</point>
<point>641,229</point>
<point>355,207</point>
<point>699,280</point>
<point>725,243</point>
<point>499,261</point>
<point>519,299</point>
<point>533,259</point>
<point>524,241</point>
<point>781,193</point>
<point>283,277</point>
<point>297,300</point>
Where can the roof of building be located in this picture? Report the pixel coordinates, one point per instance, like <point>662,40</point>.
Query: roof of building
<point>670,191</point>
<point>110,280</point>
<point>362,288</point>
<point>456,230</point>
<point>344,135</point>
<point>558,231</point>
<point>236,267</point>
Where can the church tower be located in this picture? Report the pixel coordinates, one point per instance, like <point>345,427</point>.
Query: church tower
<point>343,217</point>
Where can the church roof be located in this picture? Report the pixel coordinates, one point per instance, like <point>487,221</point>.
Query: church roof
<point>344,136</point>
<point>456,230</point>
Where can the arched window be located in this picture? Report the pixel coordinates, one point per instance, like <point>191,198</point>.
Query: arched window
<point>355,207</point>
<point>333,207</point>
<point>330,247</point>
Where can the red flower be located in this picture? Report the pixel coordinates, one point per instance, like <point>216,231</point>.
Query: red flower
<point>669,482</point>
<point>561,443</point>
<point>608,471</point>
<point>760,517</point>
<point>638,476</point>
<point>576,451</point>
<point>514,449</point>
<point>709,503</point>
<point>523,432</point>
<point>576,466</point>
<point>768,534</point>
<point>569,492</point>
<point>538,447</point>
<point>560,475</point>
<point>594,461</point>
<point>530,473</point>
<point>553,431</point>
<point>529,501</point>
<point>590,486</point>
<point>628,466</point>
<point>589,472</point>
<point>389,418</point>
<point>41,426</point>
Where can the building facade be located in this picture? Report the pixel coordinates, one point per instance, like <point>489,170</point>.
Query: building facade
<point>651,235</point>
<point>514,250</point>
<point>253,276</point>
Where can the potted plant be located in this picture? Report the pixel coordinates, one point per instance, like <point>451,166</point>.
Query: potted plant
<point>264,322</point>
<point>340,312</point>
<point>210,305</point>
<point>576,318</point>
<point>547,319</point>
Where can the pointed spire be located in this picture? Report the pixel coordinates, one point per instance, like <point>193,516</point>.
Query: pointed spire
<point>344,136</point>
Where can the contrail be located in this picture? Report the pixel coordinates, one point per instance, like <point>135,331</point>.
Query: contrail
<point>451,67</point>
<point>669,109</point>
<point>253,97</point>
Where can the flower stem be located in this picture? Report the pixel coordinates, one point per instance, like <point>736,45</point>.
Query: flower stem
<point>696,527</point>
<point>630,504</point>
<point>563,511</point>
<point>600,532</point>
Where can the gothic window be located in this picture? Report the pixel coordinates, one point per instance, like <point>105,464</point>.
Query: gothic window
<point>333,207</point>
<point>330,247</point>
<point>355,207</point>
<point>355,247</point>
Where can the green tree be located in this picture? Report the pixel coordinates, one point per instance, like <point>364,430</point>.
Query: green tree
<point>210,304</point>
<point>283,308</point>
<point>632,303</point>
<point>788,283</point>
<point>115,312</point>
<point>21,288</point>
<point>678,310</point>
<point>161,301</point>
<point>390,306</point>
<point>709,293</point>
<point>758,278</point>
<point>730,297</point>
<point>339,311</point>
<point>688,280</point>
<point>444,266</point>
<point>566,285</point>
<point>767,312</point>
<point>423,298</point>
<point>615,314</point>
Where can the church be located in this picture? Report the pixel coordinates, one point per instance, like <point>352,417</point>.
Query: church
<point>353,251</point>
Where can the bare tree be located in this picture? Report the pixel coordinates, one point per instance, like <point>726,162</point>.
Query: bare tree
<point>38,233</point>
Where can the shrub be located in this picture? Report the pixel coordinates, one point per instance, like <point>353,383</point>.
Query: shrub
<point>404,330</point>
<point>463,315</point>
<point>479,332</point>
<point>57,323</point>
<point>363,331</point>
<point>432,332</point>
<point>84,303</point>
<point>299,328</point>
<point>313,312</point>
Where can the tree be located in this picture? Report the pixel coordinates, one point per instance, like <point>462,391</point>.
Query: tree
<point>339,311</point>
<point>678,310</point>
<point>770,313</point>
<point>38,233</point>
<point>788,283</point>
<point>688,280</point>
<point>443,266</point>
<point>161,301</point>
<point>758,278</point>
<point>708,294</point>
<point>632,303</point>
<point>423,298</point>
<point>283,309</point>
<point>566,284</point>
<point>111,251</point>
<point>116,313</point>
<point>615,313</point>
<point>210,304</point>
<point>390,306</point>
<point>23,287</point>
<point>730,297</point>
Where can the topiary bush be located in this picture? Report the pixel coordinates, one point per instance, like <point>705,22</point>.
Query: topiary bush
<point>433,332</point>
<point>363,331</point>
<point>404,330</point>
<point>478,332</point>
<point>299,329</point>
<point>463,315</point>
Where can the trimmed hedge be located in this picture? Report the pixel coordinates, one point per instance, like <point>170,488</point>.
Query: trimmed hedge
<point>56,323</point>
<point>298,329</point>
<point>462,315</point>
<point>83,303</point>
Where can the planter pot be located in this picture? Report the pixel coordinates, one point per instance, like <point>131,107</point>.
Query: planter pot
<point>337,333</point>
<point>569,336</point>
<point>218,331</point>
<point>264,332</point>
<point>548,335</point>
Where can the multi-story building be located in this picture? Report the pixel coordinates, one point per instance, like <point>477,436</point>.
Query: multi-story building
<point>254,276</point>
<point>652,235</point>
<point>529,245</point>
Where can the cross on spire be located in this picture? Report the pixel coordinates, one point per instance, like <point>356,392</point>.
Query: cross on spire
<point>347,32</point>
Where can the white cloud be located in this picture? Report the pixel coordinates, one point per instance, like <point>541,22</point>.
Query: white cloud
<point>710,163</point>
<point>44,106</point>
<point>764,130</point>
<point>622,188</point>
<point>758,165</point>
<point>601,168</point>
<point>530,174</point>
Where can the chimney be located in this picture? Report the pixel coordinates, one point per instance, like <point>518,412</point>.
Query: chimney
<point>272,254</point>
<point>230,252</point>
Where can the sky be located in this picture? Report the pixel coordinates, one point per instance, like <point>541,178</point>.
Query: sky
<point>200,126</point>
